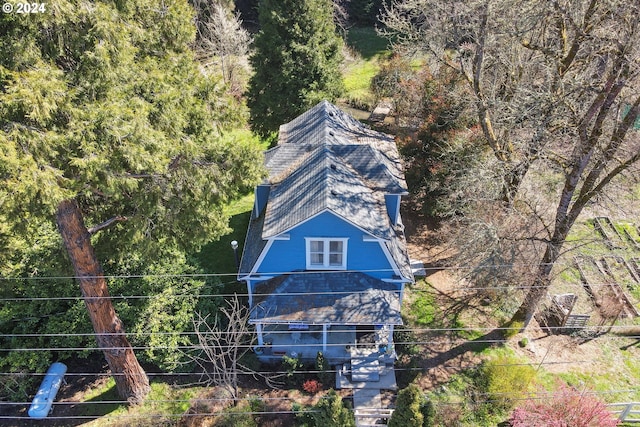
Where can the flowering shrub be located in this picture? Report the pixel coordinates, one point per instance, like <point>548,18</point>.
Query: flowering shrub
<point>312,386</point>
<point>566,407</point>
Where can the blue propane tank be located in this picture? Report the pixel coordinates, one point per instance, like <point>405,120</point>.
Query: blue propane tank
<point>41,404</point>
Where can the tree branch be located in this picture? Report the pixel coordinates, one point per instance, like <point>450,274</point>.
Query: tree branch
<point>107,223</point>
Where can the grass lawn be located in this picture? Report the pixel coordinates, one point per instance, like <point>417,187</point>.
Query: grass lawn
<point>367,42</point>
<point>164,405</point>
<point>217,257</point>
<point>370,47</point>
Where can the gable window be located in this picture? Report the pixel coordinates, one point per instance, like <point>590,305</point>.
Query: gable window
<point>326,254</point>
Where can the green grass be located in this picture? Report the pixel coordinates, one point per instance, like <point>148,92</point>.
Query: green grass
<point>358,74</point>
<point>217,257</point>
<point>615,381</point>
<point>424,308</point>
<point>367,42</point>
<point>163,399</point>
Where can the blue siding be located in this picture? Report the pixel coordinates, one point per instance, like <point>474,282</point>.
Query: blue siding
<point>392,201</point>
<point>290,255</point>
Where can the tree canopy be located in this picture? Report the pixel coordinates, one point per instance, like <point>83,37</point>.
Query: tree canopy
<point>115,113</point>
<point>103,103</point>
<point>296,61</point>
<point>554,87</point>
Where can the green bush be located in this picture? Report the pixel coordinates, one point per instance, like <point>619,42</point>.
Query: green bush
<point>506,379</point>
<point>330,411</point>
<point>324,370</point>
<point>408,408</point>
<point>291,365</point>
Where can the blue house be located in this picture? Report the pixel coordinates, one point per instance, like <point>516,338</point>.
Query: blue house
<point>325,258</point>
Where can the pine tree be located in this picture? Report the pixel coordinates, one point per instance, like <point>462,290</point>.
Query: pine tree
<point>296,61</point>
<point>108,122</point>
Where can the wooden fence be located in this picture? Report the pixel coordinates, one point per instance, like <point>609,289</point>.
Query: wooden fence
<point>628,412</point>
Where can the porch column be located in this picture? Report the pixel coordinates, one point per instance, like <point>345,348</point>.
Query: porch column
<point>324,337</point>
<point>259,331</point>
<point>250,293</point>
<point>390,337</point>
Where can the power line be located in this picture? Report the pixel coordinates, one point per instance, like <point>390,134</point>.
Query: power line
<point>192,347</point>
<point>280,273</point>
<point>248,398</point>
<point>245,295</point>
<point>532,396</point>
<point>279,372</point>
<point>429,330</point>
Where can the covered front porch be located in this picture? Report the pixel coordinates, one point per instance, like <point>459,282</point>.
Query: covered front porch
<point>338,343</point>
<point>336,313</point>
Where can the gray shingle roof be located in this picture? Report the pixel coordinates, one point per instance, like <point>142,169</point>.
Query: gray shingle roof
<point>327,160</point>
<point>317,298</point>
<point>322,180</point>
<point>373,154</point>
<point>253,243</point>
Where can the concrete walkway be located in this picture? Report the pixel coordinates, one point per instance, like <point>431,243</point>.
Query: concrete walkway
<point>367,377</point>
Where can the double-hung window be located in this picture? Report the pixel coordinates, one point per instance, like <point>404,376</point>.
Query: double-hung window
<point>326,254</point>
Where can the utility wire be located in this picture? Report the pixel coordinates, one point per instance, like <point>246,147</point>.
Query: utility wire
<point>474,329</point>
<point>280,273</point>
<point>245,295</point>
<point>200,401</point>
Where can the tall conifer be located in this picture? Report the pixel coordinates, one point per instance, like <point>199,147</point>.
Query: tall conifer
<point>107,121</point>
<point>296,61</point>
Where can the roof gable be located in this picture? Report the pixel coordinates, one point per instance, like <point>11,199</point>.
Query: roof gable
<point>324,181</point>
<point>372,154</point>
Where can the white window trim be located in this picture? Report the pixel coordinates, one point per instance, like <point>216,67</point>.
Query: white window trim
<point>325,247</point>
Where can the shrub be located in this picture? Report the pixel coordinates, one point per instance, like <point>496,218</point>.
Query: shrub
<point>506,379</point>
<point>408,408</point>
<point>567,407</point>
<point>312,386</point>
<point>331,412</point>
<point>513,328</point>
<point>291,365</point>
<point>322,366</point>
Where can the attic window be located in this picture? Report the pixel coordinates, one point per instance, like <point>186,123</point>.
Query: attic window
<point>331,133</point>
<point>334,193</point>
<point>326,254</point>
<point>333,166</point>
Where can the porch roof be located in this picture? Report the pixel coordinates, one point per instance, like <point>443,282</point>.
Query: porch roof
<point>344,298</point>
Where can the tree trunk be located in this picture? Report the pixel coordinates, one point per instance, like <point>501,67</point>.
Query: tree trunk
<point>131,380</point>
<point>538,291</point>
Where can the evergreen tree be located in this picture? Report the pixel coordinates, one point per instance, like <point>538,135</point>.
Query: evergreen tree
<point>408,413</point>
<point>111,132</point>
<point>296,61</point>
<point>331,412</point>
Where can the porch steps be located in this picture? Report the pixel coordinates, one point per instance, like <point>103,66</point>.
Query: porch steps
<point>367,377</point>
<point>364,369</point>
<point>367,408</point>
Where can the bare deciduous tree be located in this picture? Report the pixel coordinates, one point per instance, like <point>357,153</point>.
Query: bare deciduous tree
<point>556,84</point>
<point>222,39</point>
<point>222,343</point>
